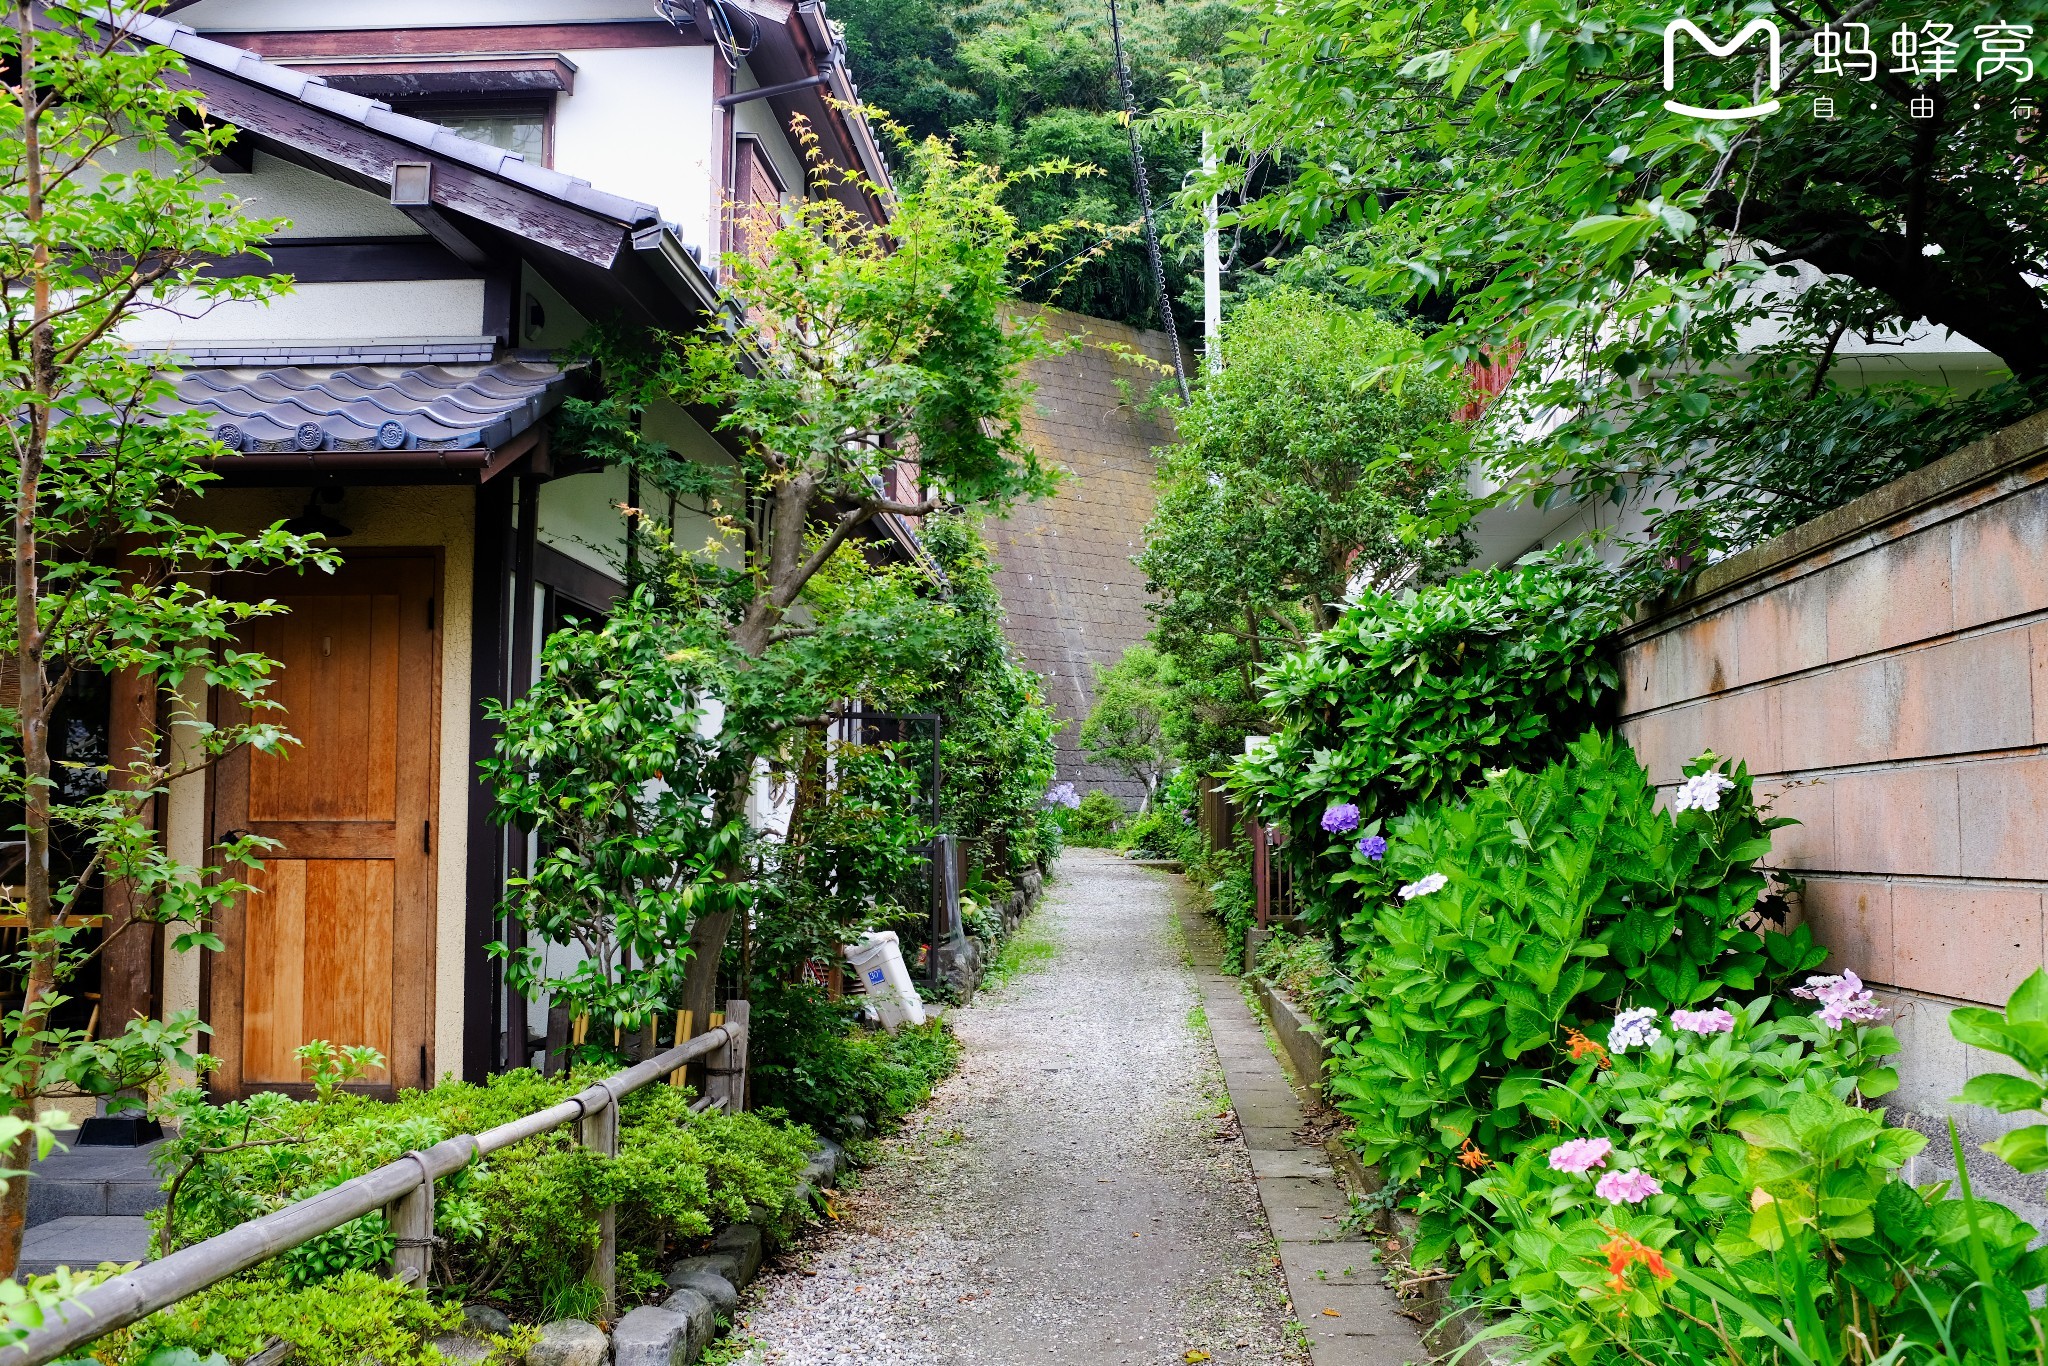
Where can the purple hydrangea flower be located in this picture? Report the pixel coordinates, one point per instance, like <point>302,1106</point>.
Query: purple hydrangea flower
<point>1341,820</point>
<point>1373,847</point>
<point>1063,794</point>
<point>1423,886</point>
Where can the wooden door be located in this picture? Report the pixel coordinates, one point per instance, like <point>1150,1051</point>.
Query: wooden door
<point>337,941</point>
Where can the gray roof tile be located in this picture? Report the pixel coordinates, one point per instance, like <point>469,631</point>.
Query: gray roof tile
<point>361,407</point>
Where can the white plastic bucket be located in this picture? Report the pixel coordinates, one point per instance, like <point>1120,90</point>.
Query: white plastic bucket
<point>879,961</point>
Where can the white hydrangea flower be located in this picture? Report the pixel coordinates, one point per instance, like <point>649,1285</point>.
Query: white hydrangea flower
<point>1435,882</point>
<point>1702,793</point>
<point>1633,1029</point>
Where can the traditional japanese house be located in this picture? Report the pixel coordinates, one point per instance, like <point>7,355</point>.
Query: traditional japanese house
<point>466,188</point>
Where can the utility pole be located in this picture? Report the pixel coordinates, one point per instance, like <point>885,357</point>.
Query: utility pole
<point>1123,77</point>
<point>1212,267</point>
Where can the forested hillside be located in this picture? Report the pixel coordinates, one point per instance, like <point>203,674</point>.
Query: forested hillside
<point>1021,81</point>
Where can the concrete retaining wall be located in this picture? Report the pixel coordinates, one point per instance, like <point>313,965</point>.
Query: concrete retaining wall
<point>1884,670</point>
<point>1074,599</point>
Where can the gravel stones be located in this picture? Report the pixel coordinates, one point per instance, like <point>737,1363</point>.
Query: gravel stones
<point>1076,1194</point>
<point>570,1342</point>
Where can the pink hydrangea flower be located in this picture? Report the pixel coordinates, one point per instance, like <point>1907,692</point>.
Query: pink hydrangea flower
<point>1703,1021</point>
<point>1843,1000</point>
<point>1628,1188</point>
<point>1579,1155</point>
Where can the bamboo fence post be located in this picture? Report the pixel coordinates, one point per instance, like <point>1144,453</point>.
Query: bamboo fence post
<point>600,1134</point>
<point>725,1072</point>
<point>411,1219</point>
<point>683,1035</point>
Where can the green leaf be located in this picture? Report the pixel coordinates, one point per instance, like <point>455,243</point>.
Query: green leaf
<point>2002,1092</point>
<point>2024,1150</point>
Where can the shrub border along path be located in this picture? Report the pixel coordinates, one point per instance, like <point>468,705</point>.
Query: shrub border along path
<point>1348,1313</point>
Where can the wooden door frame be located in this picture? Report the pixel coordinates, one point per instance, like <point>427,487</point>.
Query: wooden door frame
<point>220,973</point>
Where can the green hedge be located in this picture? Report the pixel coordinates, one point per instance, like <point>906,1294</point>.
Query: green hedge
<point>519,1226</point>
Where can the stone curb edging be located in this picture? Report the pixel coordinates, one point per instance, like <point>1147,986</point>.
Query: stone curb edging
<point>1447,1329</point>
<point>676,1330</point>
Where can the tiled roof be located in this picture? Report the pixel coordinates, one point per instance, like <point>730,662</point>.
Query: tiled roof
<point>382,118</point>
<point>372,408</point>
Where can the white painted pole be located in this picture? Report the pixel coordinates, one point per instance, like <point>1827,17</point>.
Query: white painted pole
<point>1212,271</point>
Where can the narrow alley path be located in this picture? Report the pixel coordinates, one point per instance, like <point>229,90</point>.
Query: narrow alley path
<point>1077,1193</point>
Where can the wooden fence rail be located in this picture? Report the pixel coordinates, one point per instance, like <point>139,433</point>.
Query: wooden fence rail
<point>405,1189</point>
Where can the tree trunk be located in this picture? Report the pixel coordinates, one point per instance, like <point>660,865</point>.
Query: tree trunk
<point>14,1204</point>
<point>33,704</point>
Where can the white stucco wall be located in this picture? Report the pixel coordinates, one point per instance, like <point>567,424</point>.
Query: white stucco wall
<point>580,517</point>
<point>348,313</point>
<point>313,204</point>
<point>425,517</point>
<point>641,124</point>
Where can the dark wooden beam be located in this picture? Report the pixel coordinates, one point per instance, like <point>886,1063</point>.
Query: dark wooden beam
<point>440,42</point>
<point>451,238</point>
<point>402,78</point>
<point>356,155</point>
<point>332,260</point>
<point>590,587</point>
<point>489,675</point>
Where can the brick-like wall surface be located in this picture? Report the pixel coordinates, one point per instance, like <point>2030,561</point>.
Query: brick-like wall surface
<point>1884,670</point>
<point>1075,600</point>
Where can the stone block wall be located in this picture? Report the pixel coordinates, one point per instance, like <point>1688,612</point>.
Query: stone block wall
<point>1074,598</point>
<point>1884,672</point>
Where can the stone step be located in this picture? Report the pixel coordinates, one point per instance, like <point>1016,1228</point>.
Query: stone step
<point>83,1241</point>
<point>94,1182</point>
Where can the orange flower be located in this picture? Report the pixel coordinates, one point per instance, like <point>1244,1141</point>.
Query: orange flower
<point>1471,1159</point>
<point>1624,1252</point>
<point>1583,1048</point>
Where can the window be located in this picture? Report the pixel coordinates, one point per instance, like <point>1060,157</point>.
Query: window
<point>521,128</point>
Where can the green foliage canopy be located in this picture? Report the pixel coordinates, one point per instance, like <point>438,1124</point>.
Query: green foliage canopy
<point>1300,468</point>
<point>1519,169</point>
<point>1021,81</point>
<point>1127,727</point>
<point>1410,698</point>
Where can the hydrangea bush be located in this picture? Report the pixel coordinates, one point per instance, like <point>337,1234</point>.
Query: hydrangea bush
<point>1502,934</point>
<point>1409,698</point>
<point>1636,1124</point>
<point>1721,1192</point>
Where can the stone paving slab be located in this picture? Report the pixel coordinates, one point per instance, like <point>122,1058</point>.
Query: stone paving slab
<point>1349,1314</point>
<point>82,1242</point>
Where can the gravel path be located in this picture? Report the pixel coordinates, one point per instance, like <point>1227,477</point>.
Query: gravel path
<point>1077,1193</point>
